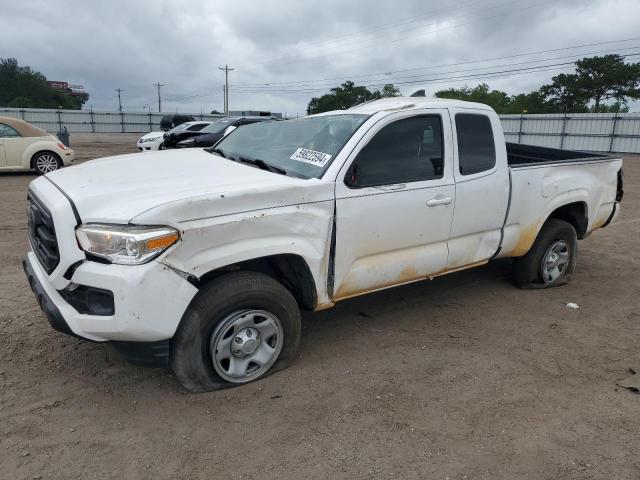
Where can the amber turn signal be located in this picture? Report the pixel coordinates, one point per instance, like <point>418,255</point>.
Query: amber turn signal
<point>162,242</point>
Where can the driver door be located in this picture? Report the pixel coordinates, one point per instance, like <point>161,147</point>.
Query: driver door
<point>394,204</point>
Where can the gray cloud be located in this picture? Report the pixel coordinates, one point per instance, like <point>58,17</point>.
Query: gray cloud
<point>132,44</point>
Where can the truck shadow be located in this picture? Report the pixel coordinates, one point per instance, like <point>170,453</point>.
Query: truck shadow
<point>425,306</point>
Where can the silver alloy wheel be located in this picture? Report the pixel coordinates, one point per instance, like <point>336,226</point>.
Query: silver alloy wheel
<point>245,345</point>
<point>46,163</point>
<point>555,261</point>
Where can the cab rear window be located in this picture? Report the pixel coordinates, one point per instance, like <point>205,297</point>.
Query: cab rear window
<point>476,149</point>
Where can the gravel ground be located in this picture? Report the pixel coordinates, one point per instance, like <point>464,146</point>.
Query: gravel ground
<point>462,377</point>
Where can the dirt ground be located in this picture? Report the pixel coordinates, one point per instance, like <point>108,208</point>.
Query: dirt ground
<point>462,377</point>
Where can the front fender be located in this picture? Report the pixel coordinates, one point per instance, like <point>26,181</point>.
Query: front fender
<point>303,230</point>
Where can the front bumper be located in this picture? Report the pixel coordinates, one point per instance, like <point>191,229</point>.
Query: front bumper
<point>149,146</point>
<point>149,301</point>
<point>56,320</point>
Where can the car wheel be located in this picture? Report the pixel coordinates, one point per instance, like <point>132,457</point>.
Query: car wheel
<point>45,162</point>
<point>552,258</point>
<point>240,327</point>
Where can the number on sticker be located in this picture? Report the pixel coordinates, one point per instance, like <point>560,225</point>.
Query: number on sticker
<point>319,159</point>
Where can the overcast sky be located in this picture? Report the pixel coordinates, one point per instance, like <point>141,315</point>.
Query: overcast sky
<point>283,50</point>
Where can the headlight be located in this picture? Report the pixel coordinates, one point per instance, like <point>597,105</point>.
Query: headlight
<point>124,244</point>
<point>187,142</point>
<point>151,139</point>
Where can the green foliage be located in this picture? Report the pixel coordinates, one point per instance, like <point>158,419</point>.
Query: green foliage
<point>23,87</point>
<point>596,79</point>
<point>347,95</point>
<point>215,112</point>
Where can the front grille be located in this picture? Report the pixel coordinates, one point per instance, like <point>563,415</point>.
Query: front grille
<point>42,233</point>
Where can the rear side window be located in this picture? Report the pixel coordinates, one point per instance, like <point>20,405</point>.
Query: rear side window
<point>7,132</point>
<point>476,150</point>
<point>408,150</point>
<point>197,127</point>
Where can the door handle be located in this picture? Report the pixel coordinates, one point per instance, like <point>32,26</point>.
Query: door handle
<point>439,200</point>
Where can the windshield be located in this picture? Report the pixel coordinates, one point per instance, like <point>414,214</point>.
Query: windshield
<point>182,126</point>
<point>220,125</point>
<point>303,146</point>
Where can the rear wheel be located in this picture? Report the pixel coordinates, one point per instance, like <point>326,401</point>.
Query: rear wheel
<point>552,258</point>
<point>240,327</point>
<point>45,162</point>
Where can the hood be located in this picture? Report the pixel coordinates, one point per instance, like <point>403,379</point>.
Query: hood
<point>180,184</point>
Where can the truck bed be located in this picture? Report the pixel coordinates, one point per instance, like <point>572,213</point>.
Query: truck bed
<point>519,155</point>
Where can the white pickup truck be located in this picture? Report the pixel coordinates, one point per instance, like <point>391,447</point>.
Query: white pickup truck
<point>201,259</point>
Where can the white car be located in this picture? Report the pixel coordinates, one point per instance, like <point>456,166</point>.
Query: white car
<point>156,140</point>
<point>24,146</point>
<point>202,259</point>
<point>150,141</point>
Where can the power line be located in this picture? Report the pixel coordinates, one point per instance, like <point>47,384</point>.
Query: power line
<point>398,80</point>
<point>536,68</point>
<point>388,73</point>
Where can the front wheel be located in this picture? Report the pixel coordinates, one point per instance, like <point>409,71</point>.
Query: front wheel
<point>45,162</point>
<point>552,258</point>
<point>240,327</point>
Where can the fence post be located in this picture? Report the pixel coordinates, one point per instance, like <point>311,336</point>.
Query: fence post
<point>22,113</point>
<point>122,121</point>
<point>59,120</point>
<point>93,123</point>
<point>613,132</point>
<point>150,123</point>
<point>564,129</point>
<point>520,128</point>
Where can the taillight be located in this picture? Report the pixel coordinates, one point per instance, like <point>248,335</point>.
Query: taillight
<point>619,190</point>
<point>62,146</point>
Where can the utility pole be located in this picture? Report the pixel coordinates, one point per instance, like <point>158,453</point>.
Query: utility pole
<point>226,70</point>
<point>159,97</point>
<point>119,90</point>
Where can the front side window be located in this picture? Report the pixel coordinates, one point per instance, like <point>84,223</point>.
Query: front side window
<point>408,150</point>
<point>476,150</point>
<point>8,132</point>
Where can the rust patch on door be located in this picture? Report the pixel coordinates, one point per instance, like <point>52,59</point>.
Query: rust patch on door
<point>528,235</point>
<point>350,287</point>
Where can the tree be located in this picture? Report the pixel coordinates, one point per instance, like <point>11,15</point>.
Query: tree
<point>347,95</point>
<point>496,99</point>
<point>24,88</point>
<point>215,112</point>
<point>390,90</point>
<point>596,80</point>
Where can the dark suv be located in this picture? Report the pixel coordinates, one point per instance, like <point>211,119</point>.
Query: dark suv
<point>211,134</point>
<point>168,122</point>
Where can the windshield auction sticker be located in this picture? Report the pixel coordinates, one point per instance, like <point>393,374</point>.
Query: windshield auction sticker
<point>319,159</point>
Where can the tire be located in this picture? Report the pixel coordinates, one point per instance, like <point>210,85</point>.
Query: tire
<point>45,162</point>
<point>557,243</point>
<point>248,306</point>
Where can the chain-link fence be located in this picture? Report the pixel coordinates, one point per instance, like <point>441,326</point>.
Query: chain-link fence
<point>88,121</point>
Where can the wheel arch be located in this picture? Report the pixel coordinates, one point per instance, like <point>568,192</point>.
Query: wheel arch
<point>575,213</point>
<point>289,269</point>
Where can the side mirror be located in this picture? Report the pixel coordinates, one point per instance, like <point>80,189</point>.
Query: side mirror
<point>228,130</point>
